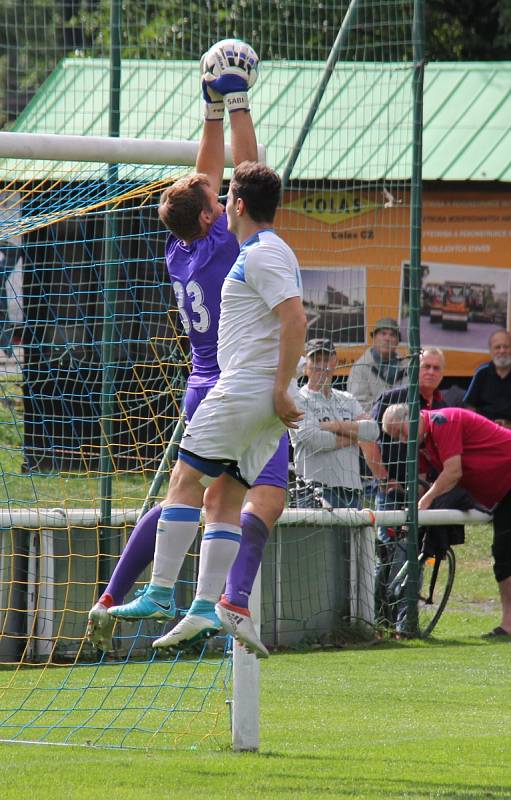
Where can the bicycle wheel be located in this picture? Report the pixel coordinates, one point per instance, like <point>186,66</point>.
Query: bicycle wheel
<point>437,578</point>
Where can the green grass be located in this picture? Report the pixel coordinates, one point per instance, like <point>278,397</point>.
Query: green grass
<point>394,720</point>
<point>397,721</point>
<point>52,490</point>
<point>474,587</point>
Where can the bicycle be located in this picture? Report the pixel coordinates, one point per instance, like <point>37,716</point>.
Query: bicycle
<point>304,494</point>
<point>437,569</point>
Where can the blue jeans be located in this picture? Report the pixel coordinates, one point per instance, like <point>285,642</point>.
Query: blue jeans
<point>391,554</point>
<point>335,496</point>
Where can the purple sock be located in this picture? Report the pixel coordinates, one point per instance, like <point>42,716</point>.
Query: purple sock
<point>241,577</point>
<point>138,553</point>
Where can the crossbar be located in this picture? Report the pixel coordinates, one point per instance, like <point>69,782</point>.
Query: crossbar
<point>103,149</point>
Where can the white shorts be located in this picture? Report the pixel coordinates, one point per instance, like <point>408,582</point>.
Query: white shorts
<point>236,422</point>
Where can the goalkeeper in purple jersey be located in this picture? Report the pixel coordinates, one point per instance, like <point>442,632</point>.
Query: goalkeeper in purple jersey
<point>198,260</point>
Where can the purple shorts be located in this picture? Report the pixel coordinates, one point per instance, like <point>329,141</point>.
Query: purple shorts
<point>276,470</point>
<point>193,396</point>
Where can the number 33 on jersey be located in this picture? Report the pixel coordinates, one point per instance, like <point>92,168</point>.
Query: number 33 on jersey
<point>199,317</point>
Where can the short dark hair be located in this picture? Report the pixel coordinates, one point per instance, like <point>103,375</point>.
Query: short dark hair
<point>181,205</point>
<point>259,187</point>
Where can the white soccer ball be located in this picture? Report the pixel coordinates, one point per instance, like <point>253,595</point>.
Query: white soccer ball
<point>231,57</point>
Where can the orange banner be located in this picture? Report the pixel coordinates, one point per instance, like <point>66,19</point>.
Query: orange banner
<point>364,233</point>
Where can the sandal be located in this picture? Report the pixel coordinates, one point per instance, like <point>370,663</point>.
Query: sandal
<point>497,632</point>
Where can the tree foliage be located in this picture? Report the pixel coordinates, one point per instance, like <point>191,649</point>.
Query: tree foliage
<point>472,30</point>
<point>35,35</point>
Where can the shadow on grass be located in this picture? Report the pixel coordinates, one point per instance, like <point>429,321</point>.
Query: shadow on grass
<point>436,643</point>
<point>344,781</point>
<point>394,644</point>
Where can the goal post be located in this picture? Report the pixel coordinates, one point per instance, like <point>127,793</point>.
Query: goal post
<point>57,211</point>
<point>67,155</point>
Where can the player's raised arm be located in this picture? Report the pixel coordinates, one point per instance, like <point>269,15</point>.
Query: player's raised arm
<point>229,69</point>
<point>210,158</point>
<point>211,155</point>
<point>243,137</point>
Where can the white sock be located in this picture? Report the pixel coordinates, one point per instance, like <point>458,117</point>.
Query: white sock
<point>177,528</point>
<point>219,548</point>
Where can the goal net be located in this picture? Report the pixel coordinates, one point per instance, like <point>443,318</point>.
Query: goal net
<point>56,220</point>
<point>94,361</point>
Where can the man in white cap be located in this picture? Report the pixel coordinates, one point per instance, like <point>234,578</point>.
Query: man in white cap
<point>324,458</point>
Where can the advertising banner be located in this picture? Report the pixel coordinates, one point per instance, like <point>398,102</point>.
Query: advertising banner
<point>354,245</point>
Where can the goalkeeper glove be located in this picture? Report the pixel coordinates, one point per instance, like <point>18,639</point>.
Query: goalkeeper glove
<point>213,101</point>
<point>230,69</point>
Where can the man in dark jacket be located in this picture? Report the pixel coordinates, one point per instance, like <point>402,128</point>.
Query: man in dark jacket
<point>489,392</point>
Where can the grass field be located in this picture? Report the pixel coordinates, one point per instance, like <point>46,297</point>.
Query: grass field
<point>68,490</point>
<point>392,720</point>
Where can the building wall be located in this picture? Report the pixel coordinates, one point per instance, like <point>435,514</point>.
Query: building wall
<point>353,247</point>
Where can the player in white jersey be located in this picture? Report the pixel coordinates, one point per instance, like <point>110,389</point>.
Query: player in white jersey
<point>237,420</point>
<point>238,425</point>
<point>264,274</point>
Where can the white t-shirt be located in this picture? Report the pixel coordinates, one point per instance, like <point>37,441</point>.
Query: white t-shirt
<point>265,274</point>
<point>317,456</point>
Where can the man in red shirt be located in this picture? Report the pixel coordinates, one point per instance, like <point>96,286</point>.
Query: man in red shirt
<point>468,449</point>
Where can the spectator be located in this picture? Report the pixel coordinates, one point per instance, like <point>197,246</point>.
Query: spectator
<point>388,460</point>
<point>490,390</point>
<point>469,450</point>
<point>379,368</point>
<point>324,458</point>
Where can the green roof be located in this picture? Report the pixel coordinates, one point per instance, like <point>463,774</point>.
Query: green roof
<point>362,130</point>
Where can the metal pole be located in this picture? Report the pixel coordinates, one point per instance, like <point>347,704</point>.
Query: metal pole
<point>164,468</point>
<point>339,45</point>
<point>109,309</point>
<point>414,318</point>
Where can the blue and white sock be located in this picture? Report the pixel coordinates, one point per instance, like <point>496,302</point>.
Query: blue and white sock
<point>177,528</point>
<point>219,547</point>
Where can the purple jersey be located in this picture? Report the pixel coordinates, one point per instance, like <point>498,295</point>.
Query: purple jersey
<point>197,272</point>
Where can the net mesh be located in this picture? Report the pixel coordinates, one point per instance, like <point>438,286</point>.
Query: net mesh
<point>64,226</point>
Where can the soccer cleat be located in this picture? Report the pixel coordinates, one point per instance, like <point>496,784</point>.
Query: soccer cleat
<point>200,623</point>
<point>153,602</point>
<point>100,627</point>
<point>238,622</point>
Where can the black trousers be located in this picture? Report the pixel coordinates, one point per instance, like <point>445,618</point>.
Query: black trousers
<point>501,548</point>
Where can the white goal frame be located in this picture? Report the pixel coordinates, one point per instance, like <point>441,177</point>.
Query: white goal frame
<point>104,149</point>
<point>112,150</point>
